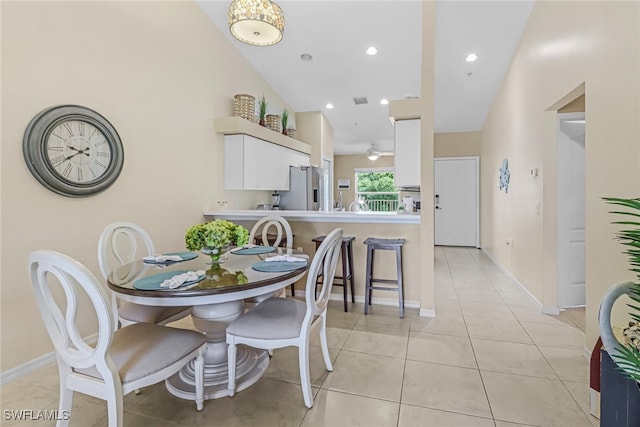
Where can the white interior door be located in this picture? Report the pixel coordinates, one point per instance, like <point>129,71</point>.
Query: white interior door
<point>571,212</point>
<point>456,201</point>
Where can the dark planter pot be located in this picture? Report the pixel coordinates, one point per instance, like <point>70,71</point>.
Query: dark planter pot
<point>619,396</point>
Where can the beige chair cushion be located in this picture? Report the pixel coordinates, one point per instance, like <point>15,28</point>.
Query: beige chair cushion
<point>275,318</point>
<point>144,348</point>
<point>147,313</point>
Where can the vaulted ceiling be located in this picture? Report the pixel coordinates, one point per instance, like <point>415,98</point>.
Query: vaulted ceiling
<point>337,33</point>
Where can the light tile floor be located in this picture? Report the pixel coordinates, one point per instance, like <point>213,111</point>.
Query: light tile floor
<point>489,359</point>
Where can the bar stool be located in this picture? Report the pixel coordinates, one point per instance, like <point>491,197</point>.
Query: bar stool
<point>346,251</point>
<point>374,243</point>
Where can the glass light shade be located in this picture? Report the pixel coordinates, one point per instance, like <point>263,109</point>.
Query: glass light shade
<point>256,22</point>
<point>373,156</point>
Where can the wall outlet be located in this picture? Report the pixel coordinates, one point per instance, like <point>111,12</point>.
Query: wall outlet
<point>299,248</point>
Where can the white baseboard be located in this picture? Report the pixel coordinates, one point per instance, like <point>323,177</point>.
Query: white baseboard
<point>426,312</point>
<point>543,309</point>
<point>28,367</point>
<point>37,363</point>
<point>555,311</point>
<point>380,301</point>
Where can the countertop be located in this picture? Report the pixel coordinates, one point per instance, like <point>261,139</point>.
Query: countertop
<point>319,216</point>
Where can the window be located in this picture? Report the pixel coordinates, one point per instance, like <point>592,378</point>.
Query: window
<point>374,186</point>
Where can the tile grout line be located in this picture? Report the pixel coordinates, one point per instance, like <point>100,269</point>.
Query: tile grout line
<point>558,378</point>
<point>475,358</point>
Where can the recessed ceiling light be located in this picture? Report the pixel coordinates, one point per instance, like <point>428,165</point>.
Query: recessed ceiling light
<point>384,101</point>
<point>306,57</point>
<point>329,106</point>
<point>471,57</point>
<point>371,50</point>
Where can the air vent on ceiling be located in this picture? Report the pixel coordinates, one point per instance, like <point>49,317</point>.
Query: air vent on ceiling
<point>359,100</point>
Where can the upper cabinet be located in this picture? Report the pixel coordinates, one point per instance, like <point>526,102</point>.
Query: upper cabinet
<point>257,158</point>
<point>253,164</point>
<point>407,153</point>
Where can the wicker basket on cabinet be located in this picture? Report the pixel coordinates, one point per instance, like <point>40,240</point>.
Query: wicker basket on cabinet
<point>273,122</point>
<point>244,106</point>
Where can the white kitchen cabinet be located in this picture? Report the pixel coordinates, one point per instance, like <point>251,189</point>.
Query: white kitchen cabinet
<point>407,153</point>
<point>254,164</point>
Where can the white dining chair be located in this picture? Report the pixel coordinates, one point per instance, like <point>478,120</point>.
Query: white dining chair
<point>270,231</point>
<point>118,245</point>
<point>286,322</point>
<point>120,360</point>
<point>263,227</point>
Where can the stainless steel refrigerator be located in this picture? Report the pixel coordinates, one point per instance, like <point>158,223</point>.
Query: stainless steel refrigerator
<point>307,189</point>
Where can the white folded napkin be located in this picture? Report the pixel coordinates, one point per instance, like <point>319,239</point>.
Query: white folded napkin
<point>162,258</point>
<point>286,258</point>
<point>180,279</point>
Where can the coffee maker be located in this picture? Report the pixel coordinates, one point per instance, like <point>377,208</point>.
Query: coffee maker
<point>275,201</point>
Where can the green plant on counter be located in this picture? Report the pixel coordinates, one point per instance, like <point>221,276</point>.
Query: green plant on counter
<point>285,121</point>
<point>628,356</point>
<point>215,234</point>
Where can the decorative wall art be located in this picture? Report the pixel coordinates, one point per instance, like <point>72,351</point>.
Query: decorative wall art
<point>505,175</point>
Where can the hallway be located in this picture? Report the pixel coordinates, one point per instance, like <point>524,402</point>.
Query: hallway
<point>488,359</point>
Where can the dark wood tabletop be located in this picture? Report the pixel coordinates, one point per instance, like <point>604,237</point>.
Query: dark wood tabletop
<point>234,274</point>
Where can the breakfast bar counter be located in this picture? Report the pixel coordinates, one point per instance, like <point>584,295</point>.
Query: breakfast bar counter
<point>362,217</point>
<point>309,224</point>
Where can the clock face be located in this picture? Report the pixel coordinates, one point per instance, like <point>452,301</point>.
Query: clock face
<point>73,150</point>
<point>78,151</point>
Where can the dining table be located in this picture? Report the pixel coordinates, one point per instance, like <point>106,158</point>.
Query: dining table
<point>217,299</point>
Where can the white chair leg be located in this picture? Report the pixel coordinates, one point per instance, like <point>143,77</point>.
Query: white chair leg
<point>231,353</point>
<point>115,409</point>
<point>305,377</point>
<point>199,368</point>
<point>66,402</point>
<point>325,346</point>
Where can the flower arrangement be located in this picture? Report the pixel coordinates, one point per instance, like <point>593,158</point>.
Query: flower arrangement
<point>215,234</point>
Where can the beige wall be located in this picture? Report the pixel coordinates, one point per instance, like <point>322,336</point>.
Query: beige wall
<point>598,48</point>
<point>457,144</point>
<point>160,72</point>
<point>344,167</point>
<point>315,130</point>
<point>426,157</point>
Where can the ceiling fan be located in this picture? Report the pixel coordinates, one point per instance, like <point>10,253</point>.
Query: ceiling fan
<point>374,154</point>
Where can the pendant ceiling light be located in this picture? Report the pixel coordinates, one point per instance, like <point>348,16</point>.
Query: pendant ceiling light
<point>256,22</point>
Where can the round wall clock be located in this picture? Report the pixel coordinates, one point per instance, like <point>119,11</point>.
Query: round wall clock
<point>72,150</point>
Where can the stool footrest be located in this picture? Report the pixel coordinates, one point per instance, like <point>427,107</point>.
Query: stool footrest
<point>380,288</point>
<point>384,281</point>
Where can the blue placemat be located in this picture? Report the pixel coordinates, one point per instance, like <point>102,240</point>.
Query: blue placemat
<point>254,251</point>
<point>152,283</point>
<point>184,255</point>
<point>278,266</point>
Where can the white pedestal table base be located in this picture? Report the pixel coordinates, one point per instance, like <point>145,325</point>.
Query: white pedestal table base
<point>251,363</point>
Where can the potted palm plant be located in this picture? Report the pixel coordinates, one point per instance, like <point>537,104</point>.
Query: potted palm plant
<point>625,354</point>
